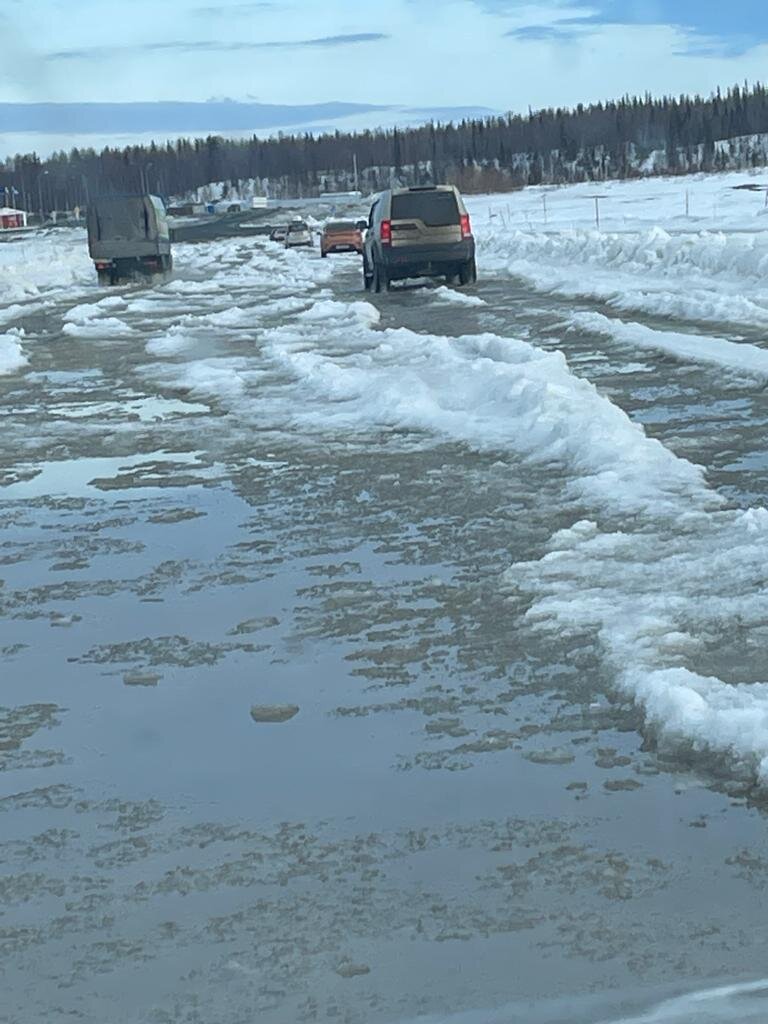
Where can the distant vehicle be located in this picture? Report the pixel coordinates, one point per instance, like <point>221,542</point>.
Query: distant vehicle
<point>341,236</point>
<point>128,238</point>
<point>419,232</point>
<point>278,234</point>
<point>259,203</point>
<point>298,234</point>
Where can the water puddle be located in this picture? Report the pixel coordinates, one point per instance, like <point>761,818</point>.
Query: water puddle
<point>89,477</point>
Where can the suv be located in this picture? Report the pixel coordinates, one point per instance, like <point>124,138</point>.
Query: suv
<point>298,234</point>
<point>341,236</point>
<point>418,232</point>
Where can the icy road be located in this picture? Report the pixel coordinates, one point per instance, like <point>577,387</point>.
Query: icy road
<point>505,550</point>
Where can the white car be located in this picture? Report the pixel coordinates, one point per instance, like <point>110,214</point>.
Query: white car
<point>298,234</point>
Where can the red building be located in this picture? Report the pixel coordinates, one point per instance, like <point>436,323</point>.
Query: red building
<point>10,219</point>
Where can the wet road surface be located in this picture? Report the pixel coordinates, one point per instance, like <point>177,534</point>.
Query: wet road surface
<point>463,814</point>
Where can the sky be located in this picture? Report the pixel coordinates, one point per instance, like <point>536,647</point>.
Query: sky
<point>496,54</point>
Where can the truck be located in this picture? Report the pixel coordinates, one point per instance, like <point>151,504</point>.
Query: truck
<point>129,238</point>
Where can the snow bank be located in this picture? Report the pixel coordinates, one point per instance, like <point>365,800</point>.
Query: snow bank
<point>45,266</point>
<point>710,266</point>
<point>705,277</point>
<point>492,392</point>
<point>655,598</point>
<point>731,355</point>
<point>12,357</point>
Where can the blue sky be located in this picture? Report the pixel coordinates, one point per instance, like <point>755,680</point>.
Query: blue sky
<point>499,54</point>
<point>710,28</point>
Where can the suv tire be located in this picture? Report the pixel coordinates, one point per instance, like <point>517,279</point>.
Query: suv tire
<point>380,282</point>
<point>468,273</point>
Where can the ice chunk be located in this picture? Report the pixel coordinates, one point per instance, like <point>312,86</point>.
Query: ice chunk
<point>12,357</point>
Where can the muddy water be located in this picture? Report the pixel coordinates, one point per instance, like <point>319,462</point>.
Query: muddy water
<point>458,820</point>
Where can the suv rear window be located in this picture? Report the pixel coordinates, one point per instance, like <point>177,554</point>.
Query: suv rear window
<point>341,225</point>
<point>433,209</point>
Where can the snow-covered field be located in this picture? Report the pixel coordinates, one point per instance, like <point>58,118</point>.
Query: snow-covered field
<point>531,513</point>
<point>648,256</point>
<point>734,201</point>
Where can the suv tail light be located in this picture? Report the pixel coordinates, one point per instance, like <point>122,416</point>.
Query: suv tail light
<point>466,227</point>
<point>386,232</point>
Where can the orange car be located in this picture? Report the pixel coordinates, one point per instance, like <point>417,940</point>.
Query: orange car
<point>341,236</point>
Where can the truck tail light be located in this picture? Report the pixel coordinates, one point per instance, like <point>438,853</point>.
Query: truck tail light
<point>466,227</point>
<point>386,232</point>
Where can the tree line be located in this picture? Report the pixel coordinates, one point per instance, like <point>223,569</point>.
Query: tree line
<point>625,138</point>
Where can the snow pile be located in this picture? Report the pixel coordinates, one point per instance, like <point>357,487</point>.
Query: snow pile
<point>657,598</point>
<point>98,327</point>
<point>12,357</point>
<point>84,312</point>
<point>731,355</point>
<point>492,392</point>
<point>340,313</point>
<point>170,344</point>
<point>44,267</point>
<point>455,298</point>
<point>647,256</point>
<point>705,277</point>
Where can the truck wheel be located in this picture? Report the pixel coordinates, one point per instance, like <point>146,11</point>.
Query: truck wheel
<point>380,281</point>
<point>468,272</point>
<point>324,254</point>
<point>367,276</point>
<point>104,277</point>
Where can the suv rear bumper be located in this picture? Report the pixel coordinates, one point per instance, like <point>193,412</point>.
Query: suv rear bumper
<point>343,247</point>
<point>426,260</point>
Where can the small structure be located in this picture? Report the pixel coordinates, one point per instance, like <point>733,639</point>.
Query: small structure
<point>11,219</point>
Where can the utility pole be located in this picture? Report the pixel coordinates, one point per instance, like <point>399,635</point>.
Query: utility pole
<point>40,177</point>
<point>354,164</point>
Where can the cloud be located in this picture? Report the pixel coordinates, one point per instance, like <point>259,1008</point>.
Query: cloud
<point>213,46</point>
<point>711,29</point>
<point>543,34</point>
<point>706,29</point>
